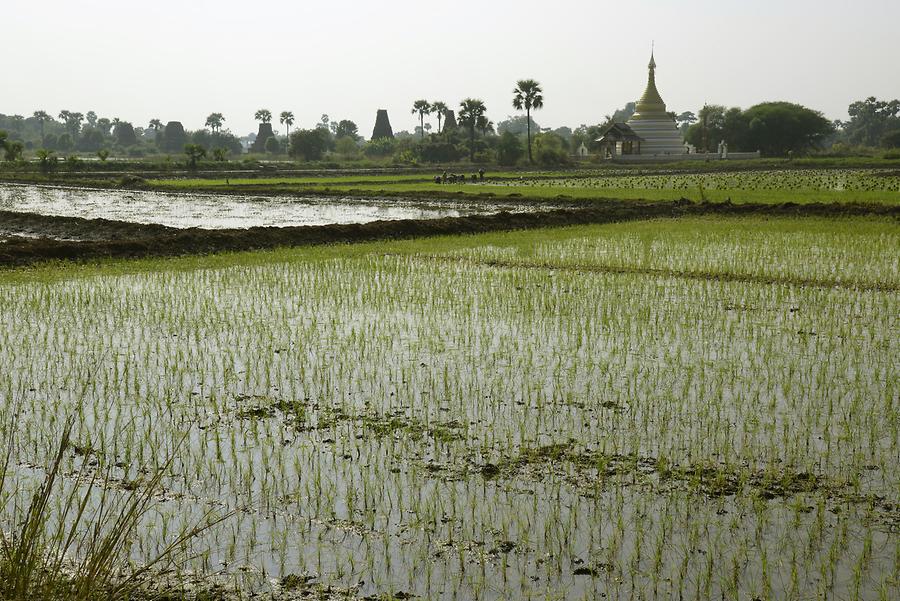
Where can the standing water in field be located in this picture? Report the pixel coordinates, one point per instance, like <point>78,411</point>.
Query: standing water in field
<point>228,211</point>
<point>698,409</point>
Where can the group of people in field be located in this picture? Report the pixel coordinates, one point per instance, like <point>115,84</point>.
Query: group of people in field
<point>453,178</point>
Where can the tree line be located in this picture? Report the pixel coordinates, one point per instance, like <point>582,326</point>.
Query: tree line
<point>775,128</point>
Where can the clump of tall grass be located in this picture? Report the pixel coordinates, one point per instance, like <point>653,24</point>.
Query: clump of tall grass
<point>82,552</point>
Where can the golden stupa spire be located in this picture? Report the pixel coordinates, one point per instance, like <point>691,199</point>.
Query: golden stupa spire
<point>651,103</point>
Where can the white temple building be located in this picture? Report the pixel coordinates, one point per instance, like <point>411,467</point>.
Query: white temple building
<point>651,134</point>
<point>651,131</point>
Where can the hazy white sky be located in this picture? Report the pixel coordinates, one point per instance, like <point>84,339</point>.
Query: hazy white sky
<point>181,60</point>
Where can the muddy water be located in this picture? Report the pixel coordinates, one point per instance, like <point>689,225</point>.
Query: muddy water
<point>228,211</point>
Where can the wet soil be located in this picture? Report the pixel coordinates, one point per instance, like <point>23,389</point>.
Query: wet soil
<point>34,225</point>
<point>79,239</point>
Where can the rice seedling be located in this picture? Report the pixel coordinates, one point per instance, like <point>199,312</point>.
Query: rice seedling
<point>704,407</point>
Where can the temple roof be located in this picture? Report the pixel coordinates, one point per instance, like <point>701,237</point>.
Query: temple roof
<point>619,132</point>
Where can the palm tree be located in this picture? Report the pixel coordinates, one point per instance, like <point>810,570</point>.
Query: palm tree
<point>263,115</point>
<point>45,159</point>
<point>440,108</point>
<point>194,153</point>
<point>470,110</point>
<point>422,107</point>
<point>214,121</point>
<point>528,95</point>
<point>485,125</point>
<point>73,122</point>
<point>41,116</point>
<point>155,124</point>
<point>287,118</point>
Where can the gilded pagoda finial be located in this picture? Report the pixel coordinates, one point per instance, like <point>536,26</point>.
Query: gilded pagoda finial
<point>651,103</point>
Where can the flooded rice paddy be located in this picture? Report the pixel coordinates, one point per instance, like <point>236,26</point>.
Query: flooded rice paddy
<point>695,408</point>
<point>776,180</point>
<point>229,211</point>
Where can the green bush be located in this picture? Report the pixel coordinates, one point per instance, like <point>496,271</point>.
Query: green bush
<point>549,150</point>
<point>273,146</point>
<point>381,147</point>
<point>509,149</point>
<point>439,151</point>
<point>891,139</point>
<point>308,144</point>
<point>486,156</point>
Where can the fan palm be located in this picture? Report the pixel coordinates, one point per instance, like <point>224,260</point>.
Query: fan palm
<point>470,110</point>
<point>528,95</point>
<point>422,107</point>
<point>440,109</point>
<point>287,118</point>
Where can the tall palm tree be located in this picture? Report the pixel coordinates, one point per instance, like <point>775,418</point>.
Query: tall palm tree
<point>440,108</point>
<point>72,121</point>
<point>528,95</point>
<point>263,115</point>
<point>155,124</point>
<point>470,110</point>
<point>485,125</point>
<point>287,118</point>
<point>42,117</point>
<point>214,121</point>
<point>422,107</point>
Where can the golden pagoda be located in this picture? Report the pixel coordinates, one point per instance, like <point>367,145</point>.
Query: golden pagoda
<point>656,127</point>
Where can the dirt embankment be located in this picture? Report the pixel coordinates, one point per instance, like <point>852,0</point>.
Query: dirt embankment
<point>99,238</point>
<point>13,223</point>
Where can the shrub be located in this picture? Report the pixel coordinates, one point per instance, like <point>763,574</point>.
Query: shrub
<point>194,153</point>
<point>439,151</point>
<point>509,149</point>
<point>485,156</point>
<point>549,150</point>
<point>308,144</point>
<point>273,146</point>
<point>132,181</point>
<point>346,147</point>
<point>407,157</point>
<point>891,139</point>
<point>380,147</point>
